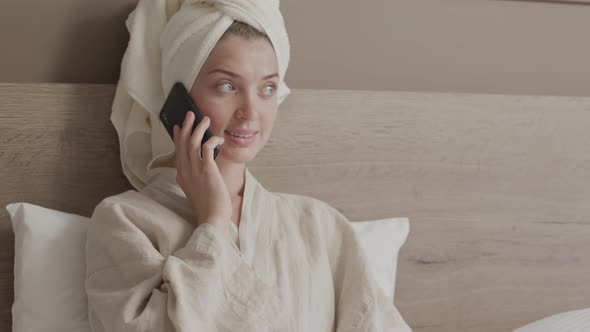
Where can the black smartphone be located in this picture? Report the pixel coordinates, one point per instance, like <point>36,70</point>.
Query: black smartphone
<point>174,111</point>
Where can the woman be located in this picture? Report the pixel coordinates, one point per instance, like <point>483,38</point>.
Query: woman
<point>202,246</point>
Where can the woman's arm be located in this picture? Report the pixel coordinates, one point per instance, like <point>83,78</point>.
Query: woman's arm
<point>203,286</point>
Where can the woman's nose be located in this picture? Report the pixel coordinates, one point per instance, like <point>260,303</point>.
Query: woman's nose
<point>248,106</point>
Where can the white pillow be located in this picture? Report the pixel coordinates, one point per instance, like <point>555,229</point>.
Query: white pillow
<point>382,240</point>
<point>49,270</point>
<point>571,321</point>
<point>49,265</point>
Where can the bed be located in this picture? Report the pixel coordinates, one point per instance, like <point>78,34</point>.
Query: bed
<point>496,187</point>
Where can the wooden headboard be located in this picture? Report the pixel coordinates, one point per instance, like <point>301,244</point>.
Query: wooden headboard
<point>497,188</point>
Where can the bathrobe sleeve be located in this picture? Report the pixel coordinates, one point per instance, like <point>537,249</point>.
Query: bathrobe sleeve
<point>134,285</point>
<point>361,305</point>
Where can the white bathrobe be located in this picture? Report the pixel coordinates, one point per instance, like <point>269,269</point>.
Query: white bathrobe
<point>295,265</point>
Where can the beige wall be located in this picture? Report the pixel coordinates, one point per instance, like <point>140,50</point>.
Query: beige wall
<point>487,46</point>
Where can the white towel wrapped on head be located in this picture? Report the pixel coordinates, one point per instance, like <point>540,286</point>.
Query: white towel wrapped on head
<point>169,42</point>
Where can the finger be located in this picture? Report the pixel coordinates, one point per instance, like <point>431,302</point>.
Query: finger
<point>180,156</point>
<point>197,135</point>
<point>184,134</point>
<point>187,126</point>
<point>175,131</point>
<point>197,138</point>
<point>209,147</point>
<point>181,145</point>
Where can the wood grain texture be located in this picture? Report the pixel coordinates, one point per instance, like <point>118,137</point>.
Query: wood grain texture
<point>495,187</point>
<point>58,151</point>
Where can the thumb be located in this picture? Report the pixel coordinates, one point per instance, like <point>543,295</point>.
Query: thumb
<point>208,147</point>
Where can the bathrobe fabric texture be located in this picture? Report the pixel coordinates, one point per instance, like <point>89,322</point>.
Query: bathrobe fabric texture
<point>295,264</point>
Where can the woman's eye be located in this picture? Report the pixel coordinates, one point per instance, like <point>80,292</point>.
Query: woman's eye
<point>269,89</point>
<point>226,85</point>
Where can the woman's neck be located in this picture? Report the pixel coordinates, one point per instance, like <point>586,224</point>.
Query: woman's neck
<point>234,176</point>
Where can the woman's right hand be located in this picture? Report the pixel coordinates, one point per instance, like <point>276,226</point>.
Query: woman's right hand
<point>200,179</point>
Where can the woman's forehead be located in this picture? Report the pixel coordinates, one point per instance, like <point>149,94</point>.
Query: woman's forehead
<point>237,52</point>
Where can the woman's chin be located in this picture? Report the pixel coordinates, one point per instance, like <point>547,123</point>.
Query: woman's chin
<point>236,156</point>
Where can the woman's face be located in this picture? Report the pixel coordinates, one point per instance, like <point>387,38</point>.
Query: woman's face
<point>237,89</point>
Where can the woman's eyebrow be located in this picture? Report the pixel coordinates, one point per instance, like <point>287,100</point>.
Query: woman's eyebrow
<point>227,72</point>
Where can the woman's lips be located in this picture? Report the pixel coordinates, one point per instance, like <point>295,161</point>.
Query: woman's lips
<point>241,132</point>
<point>241,141</point>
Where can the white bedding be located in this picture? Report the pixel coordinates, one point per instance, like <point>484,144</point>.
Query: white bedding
<point>571,321</point>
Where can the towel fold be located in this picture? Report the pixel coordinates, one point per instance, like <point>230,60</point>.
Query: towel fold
<point>169,42</point>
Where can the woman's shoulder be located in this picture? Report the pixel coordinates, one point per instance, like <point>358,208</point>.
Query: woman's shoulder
<point>139,202</point>
<point>129,197</point>
<point>319,225</point>
<point>131,203</point>
<point>309,209</point>
<point>305,204</point>
<point>135,214</point>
